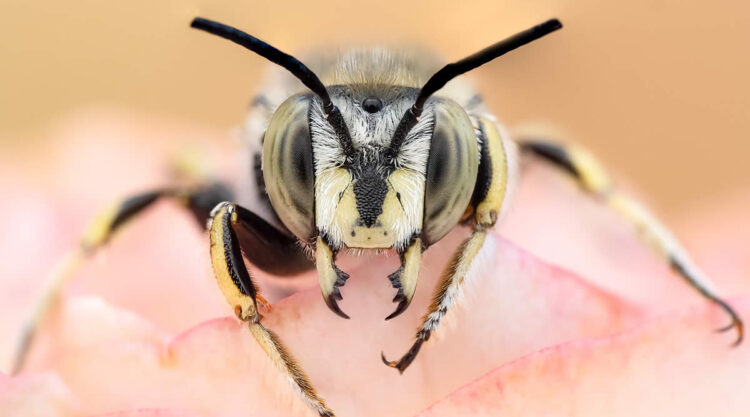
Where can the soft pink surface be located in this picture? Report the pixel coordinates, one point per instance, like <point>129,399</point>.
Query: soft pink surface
<point>143,330</point>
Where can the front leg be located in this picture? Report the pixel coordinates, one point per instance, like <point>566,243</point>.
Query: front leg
<point>445,296</point>
<point>242,295</point>
<point>486,204</point>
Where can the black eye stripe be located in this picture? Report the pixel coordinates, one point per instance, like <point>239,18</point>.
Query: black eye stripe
<point>296,163</point>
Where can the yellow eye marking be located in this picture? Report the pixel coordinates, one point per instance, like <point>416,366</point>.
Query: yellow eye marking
<point>487,210</point>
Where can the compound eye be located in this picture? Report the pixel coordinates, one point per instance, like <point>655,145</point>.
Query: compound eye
<point>451,170</point>
<point>288,166</point>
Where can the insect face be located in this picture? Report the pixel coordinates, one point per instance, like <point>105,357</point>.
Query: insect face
<point>369,195</point>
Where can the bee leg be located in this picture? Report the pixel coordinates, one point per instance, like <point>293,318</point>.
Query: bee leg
<point>405,278</point>
<point>95,236</point>
<point>263,241</point>
<point>486,203</point>
<point>593,179</point>
<point>242,294</point>
<point>329,275</point>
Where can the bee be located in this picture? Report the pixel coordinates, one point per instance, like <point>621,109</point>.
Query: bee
<point>371,153</point>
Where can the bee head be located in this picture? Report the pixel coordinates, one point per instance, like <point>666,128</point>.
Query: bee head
<point>365,194</point>
<point>358,192</point>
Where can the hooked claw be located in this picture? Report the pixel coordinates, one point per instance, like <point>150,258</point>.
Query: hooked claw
<point>400,298</point>
<point>335,295</point>
<point>405,360</point>
<point>736,321</point>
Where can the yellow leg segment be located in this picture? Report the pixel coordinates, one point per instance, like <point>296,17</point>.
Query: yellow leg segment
<point>593,179</point>
<point>242,295</point>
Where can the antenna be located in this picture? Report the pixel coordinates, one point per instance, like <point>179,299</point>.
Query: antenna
<point>451,71</point>
<point>291,64</point>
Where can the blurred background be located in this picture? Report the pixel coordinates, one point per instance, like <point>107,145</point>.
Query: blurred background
<point>658,89</point>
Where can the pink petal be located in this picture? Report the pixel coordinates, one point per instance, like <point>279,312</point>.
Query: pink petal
<point>672,367</point>
<point>151,413</point>
<point>718,232</point>
<point>38,395</point>
<point>555,220</point>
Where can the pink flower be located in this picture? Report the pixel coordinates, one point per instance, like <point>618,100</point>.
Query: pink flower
<point>143,330</point>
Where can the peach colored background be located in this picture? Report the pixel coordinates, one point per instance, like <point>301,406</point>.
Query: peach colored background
<point>658,89</point>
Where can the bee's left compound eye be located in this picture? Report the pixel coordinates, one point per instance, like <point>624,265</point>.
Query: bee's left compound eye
<point>288,166</point>
<point>451,171</point>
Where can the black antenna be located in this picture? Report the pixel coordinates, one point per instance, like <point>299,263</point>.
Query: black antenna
<point>291,64</point>
<point>450,71</point>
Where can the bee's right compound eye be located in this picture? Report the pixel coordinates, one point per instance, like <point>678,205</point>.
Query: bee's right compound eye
<point>288,166</point>
<point>451,170</point>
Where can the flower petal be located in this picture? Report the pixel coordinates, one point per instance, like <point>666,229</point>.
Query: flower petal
<point>555,220</point>
<point>673,367</point>
<point>37,395</point>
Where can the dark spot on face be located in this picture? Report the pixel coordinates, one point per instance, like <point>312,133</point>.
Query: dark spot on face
<point>372,104</point>
<point>385,233</point>
<point>369,191</point>
<point>353,233</point>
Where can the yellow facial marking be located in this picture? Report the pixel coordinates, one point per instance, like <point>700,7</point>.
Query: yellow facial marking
<point>338,218</point>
